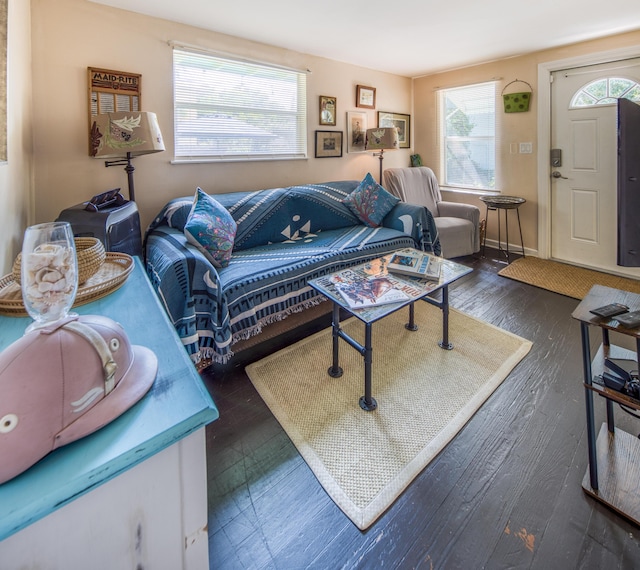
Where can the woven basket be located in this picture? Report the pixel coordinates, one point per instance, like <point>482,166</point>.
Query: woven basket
<point>90,253</point>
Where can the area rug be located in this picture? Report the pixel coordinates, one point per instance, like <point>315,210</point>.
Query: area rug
<point>563,278</point>
<point>425,396</point>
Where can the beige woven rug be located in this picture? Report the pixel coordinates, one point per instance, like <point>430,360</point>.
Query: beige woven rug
<point>425,395</point>
<point>563,278</point>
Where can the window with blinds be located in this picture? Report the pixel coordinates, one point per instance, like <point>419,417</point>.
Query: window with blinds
<point>467,126</point>
<point>226,109</point>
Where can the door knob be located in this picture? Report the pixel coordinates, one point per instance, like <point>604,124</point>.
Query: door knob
<point>556,174</point>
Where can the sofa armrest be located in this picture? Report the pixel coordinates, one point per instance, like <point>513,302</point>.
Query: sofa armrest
<point>416,221</point>
<point>190,291</point>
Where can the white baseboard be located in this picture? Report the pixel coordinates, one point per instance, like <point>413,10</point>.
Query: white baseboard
<point>513,248</point>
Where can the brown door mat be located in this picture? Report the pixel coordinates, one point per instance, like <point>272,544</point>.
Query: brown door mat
<point>563,278</point>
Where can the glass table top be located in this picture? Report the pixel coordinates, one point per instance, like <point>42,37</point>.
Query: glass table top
<point>414,287</point>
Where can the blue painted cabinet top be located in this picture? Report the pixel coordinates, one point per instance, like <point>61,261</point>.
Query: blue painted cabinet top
<point>177,404</point>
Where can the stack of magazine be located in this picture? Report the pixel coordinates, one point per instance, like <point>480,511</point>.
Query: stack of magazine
<point>415,264</point>
<point>360,290</point>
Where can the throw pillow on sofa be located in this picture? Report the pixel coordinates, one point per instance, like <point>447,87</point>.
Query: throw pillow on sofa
<point>211,228</point>
<point>370,202</point>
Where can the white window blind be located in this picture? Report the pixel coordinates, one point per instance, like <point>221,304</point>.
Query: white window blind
<point>226,109</point>
<point>468,136</point>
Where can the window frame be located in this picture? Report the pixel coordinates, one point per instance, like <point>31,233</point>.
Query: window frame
<point>292,137</point>
<point>609,99</point>
<point>443,139</point>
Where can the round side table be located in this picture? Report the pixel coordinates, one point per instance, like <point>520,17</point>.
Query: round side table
<point>505,203</point>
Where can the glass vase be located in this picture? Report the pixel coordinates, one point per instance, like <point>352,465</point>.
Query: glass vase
<point>48,272</point>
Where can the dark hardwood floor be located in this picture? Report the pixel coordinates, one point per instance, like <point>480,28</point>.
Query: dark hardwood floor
<point>505,493</point>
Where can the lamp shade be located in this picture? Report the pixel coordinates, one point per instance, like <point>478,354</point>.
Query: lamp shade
<point>382,139</point>
<point>116,134</point>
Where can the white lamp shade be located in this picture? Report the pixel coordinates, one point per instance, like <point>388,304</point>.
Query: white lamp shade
<point>113,135</point>
<point>382,139</point>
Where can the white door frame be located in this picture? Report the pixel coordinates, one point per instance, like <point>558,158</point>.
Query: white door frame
<point>544,131</point>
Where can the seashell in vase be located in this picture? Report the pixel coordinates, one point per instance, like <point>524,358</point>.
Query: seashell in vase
<point>49,271</point>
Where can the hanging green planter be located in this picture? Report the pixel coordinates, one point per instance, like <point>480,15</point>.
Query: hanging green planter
<point>517,102</point>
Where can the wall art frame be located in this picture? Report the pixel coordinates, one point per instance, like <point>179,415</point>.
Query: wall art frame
<point>328,108</point>
<point>356,131</point>
<point>111,91</point>
<point>365,97</point>
<point>329,144</point>
<point>399,120</point>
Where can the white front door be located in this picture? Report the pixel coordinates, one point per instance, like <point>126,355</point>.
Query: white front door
<point>584,195</point>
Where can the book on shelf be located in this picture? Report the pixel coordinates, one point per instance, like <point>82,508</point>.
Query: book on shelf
<point>360,291</point>
<point>416,264</point>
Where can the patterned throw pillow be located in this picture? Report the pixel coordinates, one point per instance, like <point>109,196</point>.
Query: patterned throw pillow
<point>211,228</point>
<point>370,202</point>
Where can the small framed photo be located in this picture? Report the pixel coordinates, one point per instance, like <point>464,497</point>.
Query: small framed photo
<point>356,130</point>
<point>365,97</point>
<point>328,144</point>
<point>327,110</point>
<point>401,122</point>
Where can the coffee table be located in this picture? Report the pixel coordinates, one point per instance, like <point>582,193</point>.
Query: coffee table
<point>424,289</point>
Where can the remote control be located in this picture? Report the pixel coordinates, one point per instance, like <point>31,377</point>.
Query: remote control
<point>610,310</point>
<point>630,320</point>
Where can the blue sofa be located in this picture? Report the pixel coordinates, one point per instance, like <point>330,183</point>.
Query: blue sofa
<point>285,237</point>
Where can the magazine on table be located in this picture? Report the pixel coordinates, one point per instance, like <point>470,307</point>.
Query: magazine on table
<point>360,290</point>
<point>414,263</point>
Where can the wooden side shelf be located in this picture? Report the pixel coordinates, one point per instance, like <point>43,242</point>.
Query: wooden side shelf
<point>618,457</point>
<point>613,474</point>
<point>621,356</point>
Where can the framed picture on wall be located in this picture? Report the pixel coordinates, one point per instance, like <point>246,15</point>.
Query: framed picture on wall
<point>328,144</point>
<point>328,110</point>
<point>356,130</point>
<point>365,97</point>
<point>112,91</point>
<point>401,122</point>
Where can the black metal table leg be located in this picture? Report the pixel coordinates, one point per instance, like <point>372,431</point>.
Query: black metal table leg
<point>588,394</point>
<point>444,343</point>
<point>486,228</point>
<point>506,231</point>
<point>500,250</point>
<point>335,371</point>
<point>411,325</point>
<point>606,345</point>
<point>520,228</point>
<point>367,402</point>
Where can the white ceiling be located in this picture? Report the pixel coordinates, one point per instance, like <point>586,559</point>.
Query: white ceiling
<point>408,37</point>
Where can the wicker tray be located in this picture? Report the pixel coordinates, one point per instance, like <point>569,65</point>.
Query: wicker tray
<point>111,275</point>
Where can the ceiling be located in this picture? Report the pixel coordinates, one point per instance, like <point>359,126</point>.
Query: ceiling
<point>410,37</point>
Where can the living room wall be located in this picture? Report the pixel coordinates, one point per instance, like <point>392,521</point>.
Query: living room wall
<point>71,35</point>
<point>16,173</point>
<point>516,173</point>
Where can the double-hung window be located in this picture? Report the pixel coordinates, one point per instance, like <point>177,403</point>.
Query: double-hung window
<point>467,126</point>
<point>231,109</point>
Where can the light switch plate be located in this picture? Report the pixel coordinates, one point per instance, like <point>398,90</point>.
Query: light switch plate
<point>526,148</point>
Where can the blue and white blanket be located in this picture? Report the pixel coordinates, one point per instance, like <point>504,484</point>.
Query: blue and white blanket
<point>285,237</point>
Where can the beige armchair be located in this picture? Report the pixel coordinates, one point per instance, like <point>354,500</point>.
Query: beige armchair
<point>458,225</point>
